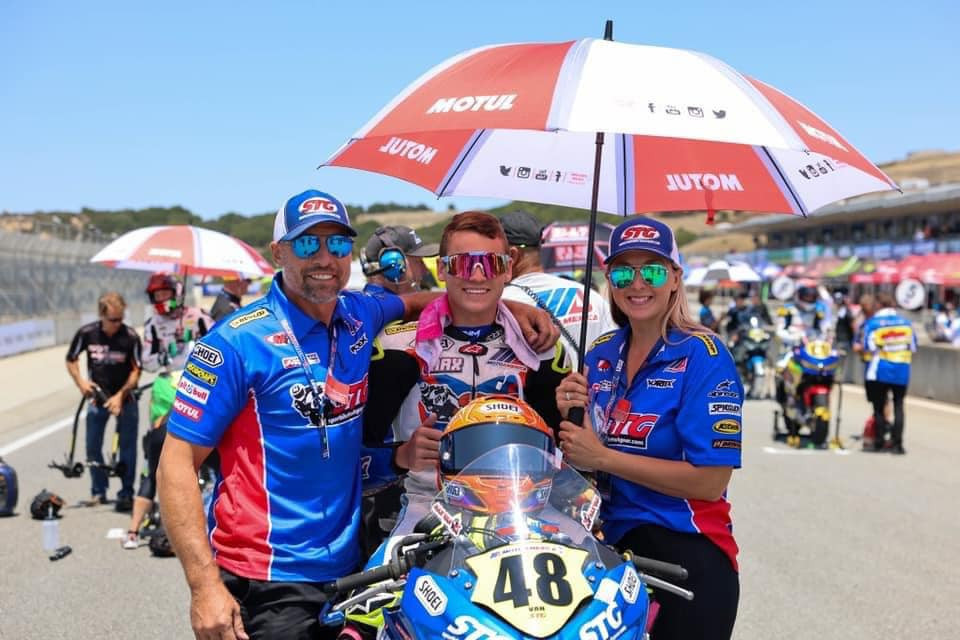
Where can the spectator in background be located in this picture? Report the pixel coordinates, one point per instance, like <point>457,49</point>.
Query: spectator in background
<point>560,297</point>
<point>113,368</point>
<point>230,297</point>
<point>707,317</point>
<point>169,332</point>
<point>738,315</point>
<point>758,309</point>
<point>393,260</point>
<point>889,342</point>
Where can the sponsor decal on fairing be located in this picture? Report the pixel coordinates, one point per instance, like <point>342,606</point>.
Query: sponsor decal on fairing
<point>430,595</point>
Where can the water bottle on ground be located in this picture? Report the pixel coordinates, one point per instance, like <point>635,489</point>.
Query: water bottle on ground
<point>51,531</point>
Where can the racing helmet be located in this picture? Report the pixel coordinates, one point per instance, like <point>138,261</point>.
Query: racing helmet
<point>478,474</point>
<point>159,281</point>
<point>806,296</point>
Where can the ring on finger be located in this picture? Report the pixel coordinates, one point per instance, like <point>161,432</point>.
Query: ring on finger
<point>567,396</point>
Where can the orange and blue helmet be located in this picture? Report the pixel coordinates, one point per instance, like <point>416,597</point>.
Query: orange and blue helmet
<point>475,475</point>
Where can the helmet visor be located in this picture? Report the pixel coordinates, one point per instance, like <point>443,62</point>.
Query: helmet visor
<point>464,446</point>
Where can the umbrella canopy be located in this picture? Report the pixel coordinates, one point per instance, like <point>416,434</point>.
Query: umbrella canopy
<point>184,249</point>
<point>519,122</point>
<point>529,122</point>
<point>722,271</point>
<point>564,245</point>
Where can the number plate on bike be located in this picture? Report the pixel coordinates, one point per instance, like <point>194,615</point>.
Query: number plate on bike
<point>534,586</point>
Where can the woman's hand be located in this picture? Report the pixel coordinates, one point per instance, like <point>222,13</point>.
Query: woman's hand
<point>581,447</point>
<point>572,392</point>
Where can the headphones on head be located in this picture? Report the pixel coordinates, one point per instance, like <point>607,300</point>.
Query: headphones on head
<point>391,262</point>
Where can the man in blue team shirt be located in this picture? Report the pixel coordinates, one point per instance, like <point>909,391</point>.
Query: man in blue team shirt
<point>888,344</point>
<point>279,391</point>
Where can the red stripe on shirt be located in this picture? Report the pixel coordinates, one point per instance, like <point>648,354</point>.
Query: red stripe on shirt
<point>712,519</point>
<point>241,539</point>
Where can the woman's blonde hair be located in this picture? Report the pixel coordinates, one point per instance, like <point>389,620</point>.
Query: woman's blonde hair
<point>678,315</point>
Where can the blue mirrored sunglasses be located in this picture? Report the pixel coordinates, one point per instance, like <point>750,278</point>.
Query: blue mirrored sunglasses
<point>622,276</point>
<point>305,246</point>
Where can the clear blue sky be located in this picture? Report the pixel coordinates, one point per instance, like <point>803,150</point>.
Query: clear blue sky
<point>230,106</point>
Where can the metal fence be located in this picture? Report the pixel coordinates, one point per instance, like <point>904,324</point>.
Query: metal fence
<point>42,276</point>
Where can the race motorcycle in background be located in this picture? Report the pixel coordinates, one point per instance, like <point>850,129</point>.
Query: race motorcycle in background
<point>529,568</point>
<point>804,384</point>
<point>750,354</point>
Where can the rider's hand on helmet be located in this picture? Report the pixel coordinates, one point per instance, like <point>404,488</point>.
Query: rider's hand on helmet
<point>422,451</point>
<point>572,392</point>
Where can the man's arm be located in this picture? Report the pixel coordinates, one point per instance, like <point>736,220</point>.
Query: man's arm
<point>214,613</point>
<point>86,387</point>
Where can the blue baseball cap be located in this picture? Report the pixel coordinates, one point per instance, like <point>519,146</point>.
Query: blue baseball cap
<point>302,211</point>
<point>647,234</point>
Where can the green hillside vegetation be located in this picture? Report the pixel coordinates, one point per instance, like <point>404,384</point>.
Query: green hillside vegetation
<point>257,230</point>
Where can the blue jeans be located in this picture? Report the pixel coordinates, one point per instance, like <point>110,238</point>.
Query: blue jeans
<point>127,450</point>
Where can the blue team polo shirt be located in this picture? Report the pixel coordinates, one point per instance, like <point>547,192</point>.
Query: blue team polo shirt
<point>889,341</point>
<point>685,403</point>
<point>282,511</point>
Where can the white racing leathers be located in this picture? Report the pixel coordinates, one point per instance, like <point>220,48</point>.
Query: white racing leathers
<point>168,338</point>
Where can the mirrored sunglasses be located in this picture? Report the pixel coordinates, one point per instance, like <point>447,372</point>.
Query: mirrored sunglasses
<point>622,276</point>
<point>462,265</point>
<point>305,246</point>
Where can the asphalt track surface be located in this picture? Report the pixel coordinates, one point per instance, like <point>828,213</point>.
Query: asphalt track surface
<point>834,544</point>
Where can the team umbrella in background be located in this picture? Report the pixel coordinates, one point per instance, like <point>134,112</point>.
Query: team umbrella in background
<point>184,249</point>
<point>612,127</point>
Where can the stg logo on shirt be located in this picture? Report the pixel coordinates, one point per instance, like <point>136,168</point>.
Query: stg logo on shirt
<point>633,431</point>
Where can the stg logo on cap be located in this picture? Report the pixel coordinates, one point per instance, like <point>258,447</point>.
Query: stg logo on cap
<point>640,233</point>
<point>317,205</point>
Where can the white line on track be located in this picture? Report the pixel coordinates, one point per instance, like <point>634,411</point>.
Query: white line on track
<point>39,434</point>
<point>805,452</point>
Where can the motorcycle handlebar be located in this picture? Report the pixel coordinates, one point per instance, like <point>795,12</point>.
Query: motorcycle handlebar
<point>664,569</point>
<point>390,571</point>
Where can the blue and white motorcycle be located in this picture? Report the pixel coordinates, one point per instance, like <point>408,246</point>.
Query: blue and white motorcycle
<point>530,568</point>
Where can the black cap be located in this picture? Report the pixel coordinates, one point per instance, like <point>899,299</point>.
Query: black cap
<point>401,237</point>
<point>522,228</point>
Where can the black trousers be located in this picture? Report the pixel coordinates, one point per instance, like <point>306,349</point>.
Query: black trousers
<point>712,578</point>
<point>877,395</point>
<point>286,610</point>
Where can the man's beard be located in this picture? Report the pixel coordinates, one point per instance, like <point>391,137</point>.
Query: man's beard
<point>320,292</point>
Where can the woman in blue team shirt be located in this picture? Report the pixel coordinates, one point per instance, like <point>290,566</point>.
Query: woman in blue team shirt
<point>663,430</point>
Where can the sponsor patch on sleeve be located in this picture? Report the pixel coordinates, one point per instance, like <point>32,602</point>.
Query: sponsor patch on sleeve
<point>601,339</point>
<point>726,444</point>
<point>201,374</point>
<point>728,427</point>
<point>187,410</point>
<point>193,391</point>
<point>207,355</point>
<point>708,343</point>
<point>399,327</point>
<point>724,409</point>
<point>257,314</point>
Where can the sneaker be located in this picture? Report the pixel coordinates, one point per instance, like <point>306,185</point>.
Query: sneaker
<point>95,500</point>
<point>897,450</point>
<point>132,541</point>
<point>124,504</point>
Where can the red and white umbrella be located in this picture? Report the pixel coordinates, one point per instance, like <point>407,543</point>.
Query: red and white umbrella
<point>519,121</point>
<point>529,122</point>
<point>184,249</point>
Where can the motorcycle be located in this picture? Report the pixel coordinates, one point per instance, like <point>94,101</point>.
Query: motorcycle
<point>804,384</point>
<point>750,354</point>
<point>528,568</point>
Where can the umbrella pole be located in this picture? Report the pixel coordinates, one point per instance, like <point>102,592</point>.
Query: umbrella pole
<point>576,414</point>
<point>591,240</point>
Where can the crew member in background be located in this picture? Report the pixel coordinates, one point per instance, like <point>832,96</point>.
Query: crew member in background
<point>167,334</point>
<point>560,297</point>
<point>707,317</point>
<point>393,259</point>
<point>888,342</point>
<point>113,369</point>
<point>230,297</point>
